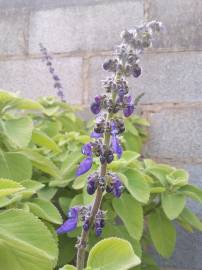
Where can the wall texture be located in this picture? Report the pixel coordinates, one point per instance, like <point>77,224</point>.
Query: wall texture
<point>80,34</point>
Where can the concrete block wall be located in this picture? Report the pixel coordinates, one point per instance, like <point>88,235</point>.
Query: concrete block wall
<point>81,34</point>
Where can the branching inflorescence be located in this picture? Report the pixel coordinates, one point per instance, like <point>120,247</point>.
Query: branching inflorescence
<point>110,110</point>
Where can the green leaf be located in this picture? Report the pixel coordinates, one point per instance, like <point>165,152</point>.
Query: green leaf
<point>18,131</point>
<point>178,178</point>
<point>45,210</point>
<point>173,204</point>
<point>192,191</point>
<point>32,187</point>
<point>80,181</point>
<point>157,190</point>
<point>64,203</point>
<point>25,242</point>
<point>132,217</point>
<point>163,233</point>
<point>66,249</point>
<point>28,104</point>
<point>70,163</point>
<point>42,163</point>
<point>131,128</point>
<point>120,231</point>
<point>15,166</point>
<point>8,187</point>
<point>77,200</point>
<point>160,171</point>
<point>134,143</point>
<point>112,254</point>
<point>140,121</point>
<point>137,185</point>
<point>188,216</point>
<point>44,140</point>
<point>68,267</point>
<point>47,193</point>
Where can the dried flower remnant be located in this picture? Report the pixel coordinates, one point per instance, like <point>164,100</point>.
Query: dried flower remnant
<point>46,57</point>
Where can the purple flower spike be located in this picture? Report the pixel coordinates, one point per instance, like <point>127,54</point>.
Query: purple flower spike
<point>128,110</point>
<point>96,135</point>
<point>84,166</point>
<point>116,146</point>
<point>87,149</point>
<point>70,224</point>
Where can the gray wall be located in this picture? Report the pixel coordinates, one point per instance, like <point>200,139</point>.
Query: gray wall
<point>80,34</point>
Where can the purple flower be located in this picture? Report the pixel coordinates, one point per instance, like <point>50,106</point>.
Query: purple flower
<point>71,223</point>
<point>84,166</point>
<point>116,146</point>
<point>96,105</point>
<point>128,106</point>
<point>87,149</point>
<point>117,188</point>
<point>96,135</point>
<point>95,108</point>
<point>128,110</point>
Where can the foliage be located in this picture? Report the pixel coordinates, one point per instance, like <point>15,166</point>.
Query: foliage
<point>39,151</point>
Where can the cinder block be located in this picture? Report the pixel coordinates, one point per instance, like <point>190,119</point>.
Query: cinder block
<point>187,254</point>
<point>13,31</point>
<point>83,28</point>
<point>182,20</point>
<point>32,78</point>
<point>48,4</point>
<point>166,77</point>
<point>176,134</point>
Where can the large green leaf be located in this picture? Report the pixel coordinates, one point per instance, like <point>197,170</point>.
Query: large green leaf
<point>173,204</point>
<point>132,216</point>
<point>25,242</point>
<point>137,185</point>
<point>15,166</point>
<point>163,233</point>
<point>42,163</point>
<point>8,187</point>
<point>18,131</point>
<point>112,254</point>
<point>45,210</point>
<point>41,139</point>
<point>120,231</point>
<point>189,217</point>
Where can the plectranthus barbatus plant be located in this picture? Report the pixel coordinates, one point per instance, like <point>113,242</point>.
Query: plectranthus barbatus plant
<point>110,109</point>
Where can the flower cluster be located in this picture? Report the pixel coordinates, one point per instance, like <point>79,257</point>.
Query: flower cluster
<point>111,183</point>
<point>82,213</point>
<point>57,83</point>
<point>110,109</point>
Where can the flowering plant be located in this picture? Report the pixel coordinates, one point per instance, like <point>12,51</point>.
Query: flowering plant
<point>109,127</point>
<point>127,204</point>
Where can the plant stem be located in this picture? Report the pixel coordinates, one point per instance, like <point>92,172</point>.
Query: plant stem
<point>81,247</point>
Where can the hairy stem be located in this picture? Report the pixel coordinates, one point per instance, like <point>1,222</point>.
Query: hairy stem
<point>81,247</point>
